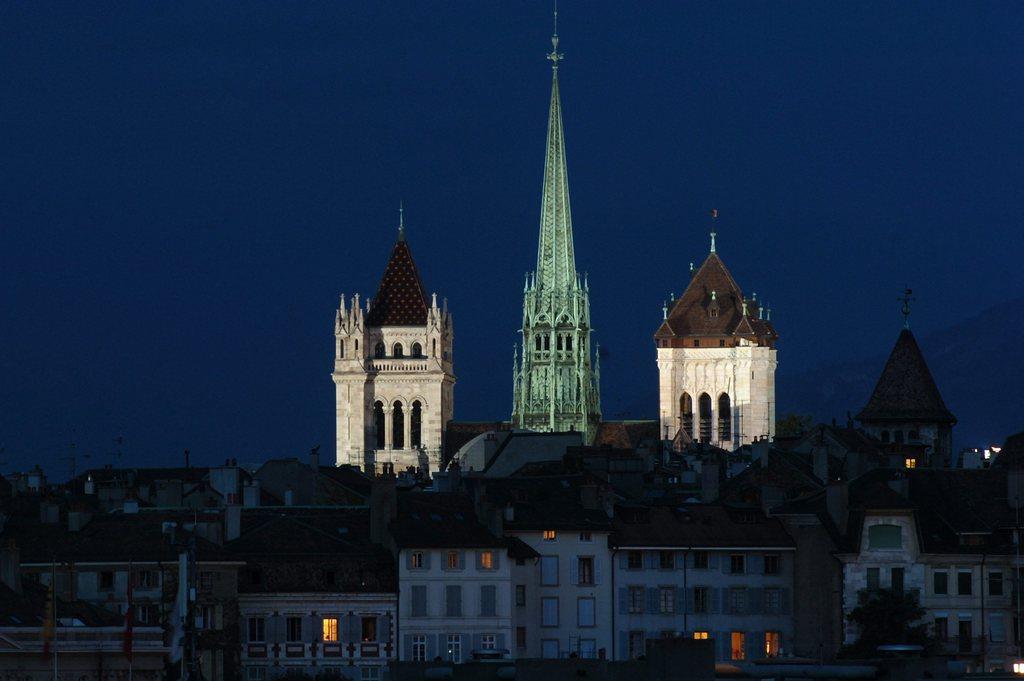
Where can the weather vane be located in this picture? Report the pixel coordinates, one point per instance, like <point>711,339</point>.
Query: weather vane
<point>906,299</point>
<point>714,219</point>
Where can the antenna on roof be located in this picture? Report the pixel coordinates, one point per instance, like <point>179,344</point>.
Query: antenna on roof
<point>907,300</point>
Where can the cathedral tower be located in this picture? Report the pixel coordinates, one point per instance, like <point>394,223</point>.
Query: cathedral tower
<point>716,361</point>
<point>393,372</point>
<point>554,386</point>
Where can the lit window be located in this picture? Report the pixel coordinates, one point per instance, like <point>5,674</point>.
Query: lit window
<point>550,535</point>
<point>417,559</point>
<point>452,560</point>
<point>738,642</point>
<point>331,629</point>
<point>772,643</point>
<point>910,462</point>
<point>487,560</point>
<point>700,635</point>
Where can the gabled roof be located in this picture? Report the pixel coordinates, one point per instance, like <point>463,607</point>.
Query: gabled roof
<point>440,520</point>
<point>697,525</point>
<point>400,299</point>
<point>691,315</point>
<point>906,390</point>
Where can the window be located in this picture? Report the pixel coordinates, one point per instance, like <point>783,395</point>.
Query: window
<point>666,600</point>
<point>686,414</point>
<point>738,600</point>
<point>874,582</point>
<point>416,561</point>
<point>147,614</point>
<point>550,535</point>
<point>379,427</point>
<point>940,583</point>
<point>913,436</point>
<point>369,673</point>
<point>585,609</point>
<point>418,602</point>
<point>521,595</point>
<point>417,350</point>
<point>416,425</point>
<point>737,564</point>
<point>330,629</point>
<point>257,630</point>
<point>700,599</point>
<point>454,648</point>
<point>700,636</point>
<point>368,630</point>
<point>910,462</point>
<point>204,617</point>
<point>636,644</point>
<point>487,560</point>
<point>772,600</point>
<point>397,351</point>
<point>997,628</point>
<point>771,565</point>
<point>106,580</point>
<point>453,560</point>
<point>738,642</point>
<point>397,426</point>
<point>721,343</point>
<point>255,674</point>
<point>419,648</point>
<point>586,537</point>
<point>940,628</point>
<point>147,579</point>
<point>965,633</point>
<point>885,537</point>
<point>772,643</point>
<point>453,600</point>
<point>293,629</point>
<point>963,583</point>
<point>378,351</point>
<point>896,579</point>
<point>549,612</point>
<point>488,600</point>
<point>488,642</point>
<point>520,637</point>
<point>585,570</point>
<point>724,418</point>
<point>636,599</point>
<point>634,560</point>
<point>549,648</point>
<point>549,570</point>
<point>704,404</point>
<point>666,560</point>
<point>700,560</point>
<point>898,436</point>
<point>696,342</point>
<point>341,349</point>
<point>995,584</point>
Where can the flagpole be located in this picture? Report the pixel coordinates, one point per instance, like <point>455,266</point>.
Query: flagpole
<point>53,609</point>
<point>131,622</point>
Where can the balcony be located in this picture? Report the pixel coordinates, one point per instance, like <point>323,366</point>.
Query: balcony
<point>397,365</point>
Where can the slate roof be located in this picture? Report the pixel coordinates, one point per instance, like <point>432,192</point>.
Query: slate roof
<point>547,502</point>
<point>401,299</point>
<point>691,313</point>
<point>906,390</point>
<point>439,520</point>
<point>626,434</point>
<point>28,608</point>
<point>458,433</point>
<point>1012,453</point>
<point>697,525</point>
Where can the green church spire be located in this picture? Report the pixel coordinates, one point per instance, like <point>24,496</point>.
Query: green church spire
<point>555,388</point>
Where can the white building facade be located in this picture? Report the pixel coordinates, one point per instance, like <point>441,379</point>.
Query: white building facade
<point>393,374</point>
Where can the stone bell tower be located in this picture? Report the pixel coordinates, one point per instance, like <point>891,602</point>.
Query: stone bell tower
<point>393,372</point>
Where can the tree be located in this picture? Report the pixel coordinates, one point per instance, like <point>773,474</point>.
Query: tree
<point>793,424</point>
<point>886,617</point>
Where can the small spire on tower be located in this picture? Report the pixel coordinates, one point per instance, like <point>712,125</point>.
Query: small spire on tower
<point>401,220</point>
<point>664,310</point>
<point>554,55</point>
<point>907,300</point>
<point>714,233</point>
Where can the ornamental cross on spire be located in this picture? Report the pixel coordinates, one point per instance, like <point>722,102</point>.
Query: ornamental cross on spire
<point>555,56</point>
<point>907,300</point>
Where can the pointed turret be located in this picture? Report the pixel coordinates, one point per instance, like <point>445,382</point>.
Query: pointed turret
<point>401,299</point>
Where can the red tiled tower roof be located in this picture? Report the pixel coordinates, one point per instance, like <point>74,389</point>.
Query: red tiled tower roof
<point>400,300</point>
<point>906,390</point>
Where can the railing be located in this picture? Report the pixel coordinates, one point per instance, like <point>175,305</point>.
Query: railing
<point>391,364</point>
<point>865,595</point>
<point>316,650</point>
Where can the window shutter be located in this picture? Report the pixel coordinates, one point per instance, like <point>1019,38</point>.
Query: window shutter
<point>713,560</point>
<point>727,601</point>
<point>479,560</point>
<point>418,604</point>
<point>652,600</point>
<point>407,647</point>
<point>715,598</point>
<point>488,606</point>
<point>680,560</point>
<point>383,629</point>
<point>784,597</point>
<point>426,559</point>
<point>755,564</point>
<point>755,645</point>
<point>623,645</point>
<point>623,600</point>
<point>690,561</point>
<point>462,560</point>
<point>623,559</point>
<point>433,646</point>
<point>682,595</point>
<point>650,559</point>
<point>499,641</point>
<point>598,577</point>
<point>574,570</point>
<point>755,601</point>
<point>497,559</point>
<point>726,564</point>
<point>476,646</point>
<point>690,598</point>
<point>408,560</point>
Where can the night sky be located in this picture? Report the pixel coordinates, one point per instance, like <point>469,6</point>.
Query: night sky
<point>185,189</point>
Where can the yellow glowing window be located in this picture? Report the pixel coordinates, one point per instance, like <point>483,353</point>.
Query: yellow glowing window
<point>700,635</point>
<point>910,463</point>
<point>487,560</point>
<point>739,649</point>
<point>772,643</point>
<point>331,629</point>
<point>550,535</point>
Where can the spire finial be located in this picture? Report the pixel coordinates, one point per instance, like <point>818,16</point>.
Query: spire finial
<point>907,300</point>
<point>714,233</point>
<point>401,220</point>
<point>555,56</point>
<point>664,310</point>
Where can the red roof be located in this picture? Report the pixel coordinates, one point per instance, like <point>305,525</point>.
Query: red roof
<point>400,300</point>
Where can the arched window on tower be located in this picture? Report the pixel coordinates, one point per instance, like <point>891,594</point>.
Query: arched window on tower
<point>724,418</point>
<point>341,348</point>
<point>547,342</point>
<point>417,350</point>
<point>379,351</point>
<point>704,404</point>
<point>397,426</point>
<point>686,414</point>
<point>536,343</point>
<point>433,348</point>
<point>416,425</point>
<point>559,341</point>
<point>568,343</point>
<point>398,352</point>
<point>357,346</point>
<point>378,423</point>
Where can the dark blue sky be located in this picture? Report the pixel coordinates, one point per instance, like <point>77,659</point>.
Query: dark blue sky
<point>186,188</point>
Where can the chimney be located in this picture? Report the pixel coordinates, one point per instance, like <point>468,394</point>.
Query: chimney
<point>232,522</point>
<point>289,497</point>
<point>77,520</point>
<point>10,567</point>
<point>90,485</point>
<point>837,503</point>
<point>1015,487</point>
<point>759,450</point>
<point>490,446</point>
<point>187,462</point>
<point>819,458</point>
<point>49,513</point>
<point>314,459</point>
<point>251,494</point>
<point>709,480</point>
<point>510,512</point>
<point>383,508</point>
